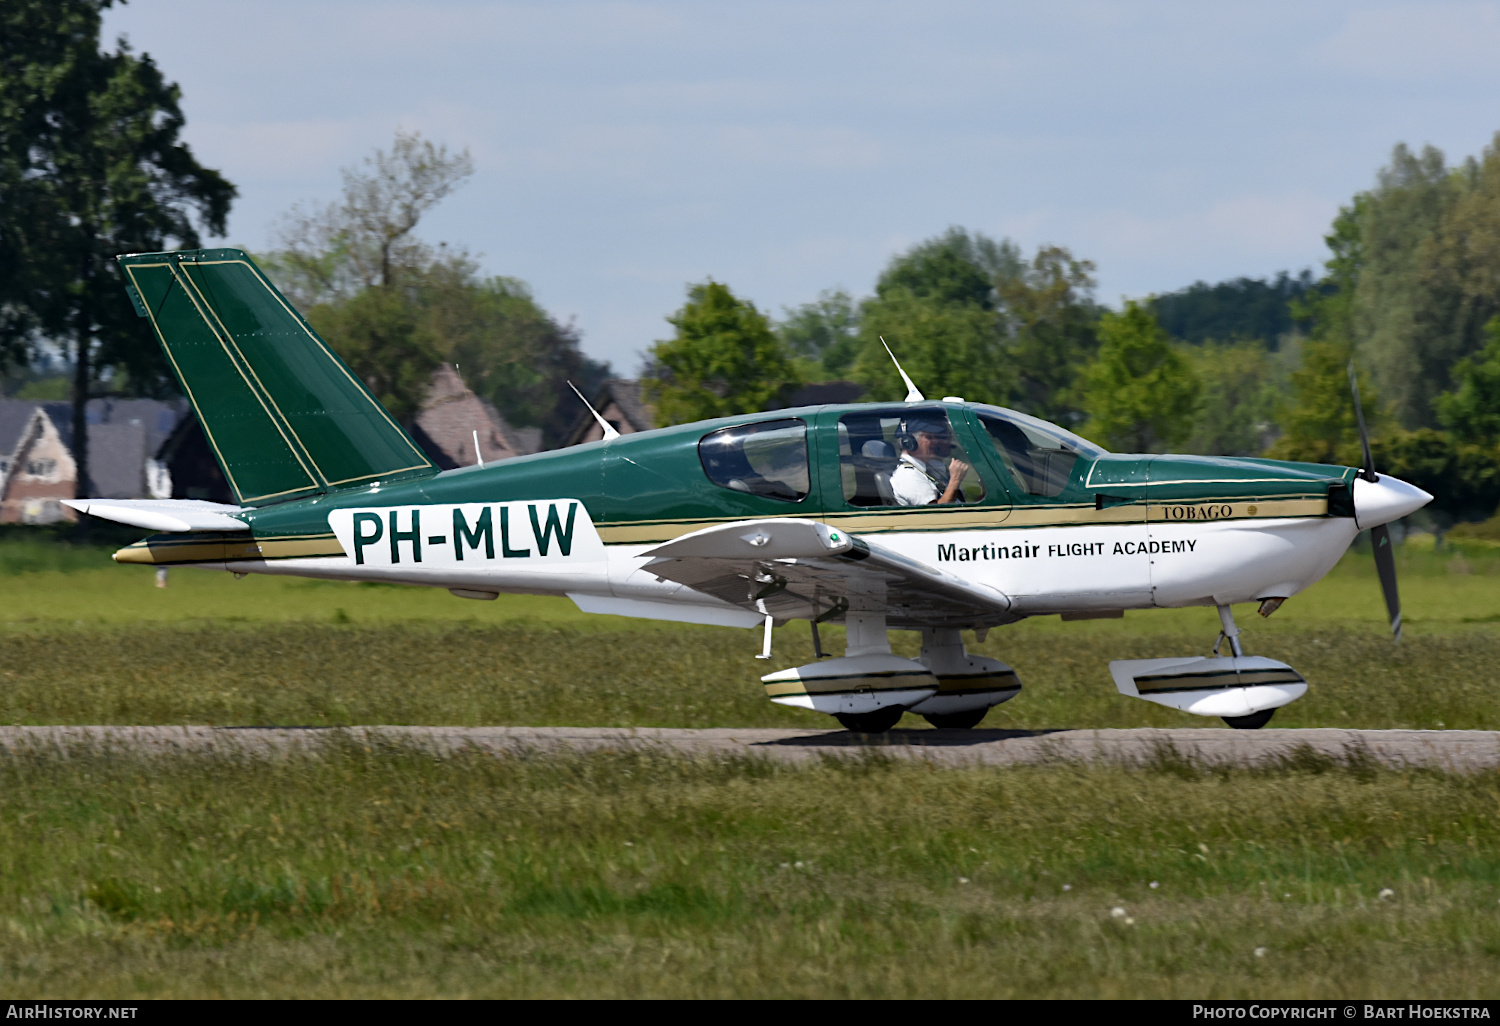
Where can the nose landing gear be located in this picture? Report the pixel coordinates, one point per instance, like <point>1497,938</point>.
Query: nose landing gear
<point>1244,691</point>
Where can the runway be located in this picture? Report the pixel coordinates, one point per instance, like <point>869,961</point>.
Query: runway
<point>1468,751</point>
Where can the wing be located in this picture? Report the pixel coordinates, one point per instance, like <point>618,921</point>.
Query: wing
<point>805,570</point>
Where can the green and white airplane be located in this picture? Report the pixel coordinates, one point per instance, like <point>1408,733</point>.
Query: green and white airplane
<point>939,517</point>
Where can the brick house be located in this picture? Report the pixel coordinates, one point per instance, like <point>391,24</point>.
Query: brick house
<point>37,467</point>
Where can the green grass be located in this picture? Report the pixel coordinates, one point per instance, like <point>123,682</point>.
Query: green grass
<point>395,873</point>
<point>106,646</point>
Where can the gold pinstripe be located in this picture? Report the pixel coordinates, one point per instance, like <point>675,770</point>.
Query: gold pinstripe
<point>327,352</point>
<point>241,365</point>
<point>187,387</point>
<point>159,550</point>
<point>926,519</point>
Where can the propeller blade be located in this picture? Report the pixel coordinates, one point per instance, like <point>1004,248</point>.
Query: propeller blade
<point>1364,436</point>
<point>1380,536</point>
<point>1385,566</point>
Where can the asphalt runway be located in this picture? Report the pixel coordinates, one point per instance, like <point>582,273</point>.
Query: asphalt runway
<point>1468,751</point>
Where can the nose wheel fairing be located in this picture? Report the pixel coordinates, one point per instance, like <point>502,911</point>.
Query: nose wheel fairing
<point>1229,686</point>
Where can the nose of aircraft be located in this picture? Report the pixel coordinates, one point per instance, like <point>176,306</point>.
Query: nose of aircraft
<point>1381,501</point>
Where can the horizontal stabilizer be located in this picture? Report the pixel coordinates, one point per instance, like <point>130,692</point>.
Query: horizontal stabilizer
<point>171,515</point>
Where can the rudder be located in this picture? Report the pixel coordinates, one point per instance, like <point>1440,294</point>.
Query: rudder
<point>283,414</point>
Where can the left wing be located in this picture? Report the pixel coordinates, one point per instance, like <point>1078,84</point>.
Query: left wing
<point>802,569</point>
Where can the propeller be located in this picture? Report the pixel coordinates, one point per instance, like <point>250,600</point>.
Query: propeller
<point>1380,534</point>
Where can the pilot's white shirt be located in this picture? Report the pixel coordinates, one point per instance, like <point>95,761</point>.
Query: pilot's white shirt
<point>917,482</point>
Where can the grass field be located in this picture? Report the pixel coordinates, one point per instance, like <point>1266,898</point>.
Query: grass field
<point>394,872</point>
<point>99,644</point>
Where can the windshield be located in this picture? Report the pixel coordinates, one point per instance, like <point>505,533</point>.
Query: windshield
<point>1039,455</point>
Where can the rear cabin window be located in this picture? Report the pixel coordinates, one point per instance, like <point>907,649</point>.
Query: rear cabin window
<point>885,461</point>
<point>1039,456</point>
<point>768,458</point>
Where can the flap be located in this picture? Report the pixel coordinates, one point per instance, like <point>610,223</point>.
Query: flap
<point>802,569</point>
<point>170,515</point>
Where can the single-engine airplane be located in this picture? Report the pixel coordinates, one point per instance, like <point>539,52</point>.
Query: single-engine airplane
<point>934,516</point>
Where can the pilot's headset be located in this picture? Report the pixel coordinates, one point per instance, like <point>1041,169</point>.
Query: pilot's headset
<point>926,423</point>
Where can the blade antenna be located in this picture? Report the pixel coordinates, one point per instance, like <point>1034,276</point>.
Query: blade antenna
<point>1380,534</point>
<point>609,429</point>
<point>913,394</point>
<point>478,456</point>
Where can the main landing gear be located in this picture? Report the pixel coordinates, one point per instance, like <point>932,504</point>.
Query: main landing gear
<point>877,722</point>
<point>869,689</point>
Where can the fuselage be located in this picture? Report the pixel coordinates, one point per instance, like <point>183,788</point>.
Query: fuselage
<point>1052,522</point>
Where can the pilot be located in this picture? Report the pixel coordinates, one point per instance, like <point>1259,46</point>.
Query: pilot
<point>926,475</point>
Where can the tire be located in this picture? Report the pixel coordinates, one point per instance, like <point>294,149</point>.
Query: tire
<point>957,720</point>
<point>1252,722</point>
<point>877,722</point>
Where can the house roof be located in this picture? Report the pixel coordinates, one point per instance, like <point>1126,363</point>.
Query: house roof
<point>451,413</point>
<point>626,395</point>
<point>626,392</point>
<point>123,434</point>
<point>15,414</point>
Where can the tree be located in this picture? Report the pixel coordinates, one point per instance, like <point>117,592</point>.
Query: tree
<point>1050,317</point>
<point>91,166</point>
<point>1140,394</point>
<point>1462,477</point>
<point>1318,421</point>
<point>395,306</point>
<point>823,333</point>
<point>365,240</point>
<point>1471,412</point>
<point>1241,385</point>
<point>508,349</point>
<point>1242,308</point>
<point>1459,275</point>
<point>724,360</point>
<point>1420,275</point>
<point>380,334</point>
<point>946,348</point>
<point>935,305</point>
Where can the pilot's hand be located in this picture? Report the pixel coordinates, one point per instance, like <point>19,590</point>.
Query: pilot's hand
<point>958,469</point>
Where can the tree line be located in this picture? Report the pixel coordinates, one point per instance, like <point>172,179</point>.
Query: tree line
<point>1409,292</point>
<point>92,164</point>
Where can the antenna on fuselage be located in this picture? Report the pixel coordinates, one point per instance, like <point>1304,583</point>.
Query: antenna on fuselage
<point>609,429</point>
<point>913,394</point>
<point>478,456</point>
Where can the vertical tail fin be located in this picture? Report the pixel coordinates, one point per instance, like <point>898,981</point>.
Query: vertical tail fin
<point>284,415</point>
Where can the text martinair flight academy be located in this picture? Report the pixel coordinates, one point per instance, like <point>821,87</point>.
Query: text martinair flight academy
<point>751,520</point>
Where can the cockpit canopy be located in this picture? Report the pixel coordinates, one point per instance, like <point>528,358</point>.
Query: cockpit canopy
<point>1039,455</point>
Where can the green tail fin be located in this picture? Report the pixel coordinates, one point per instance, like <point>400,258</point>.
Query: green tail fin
<point>283,414</point>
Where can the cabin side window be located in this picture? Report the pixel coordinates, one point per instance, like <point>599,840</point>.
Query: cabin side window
<point>903,457</point>
<point>768,458</point>
<point>1039,456</point>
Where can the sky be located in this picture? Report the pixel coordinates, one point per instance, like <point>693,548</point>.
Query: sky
<point>625,150</point>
